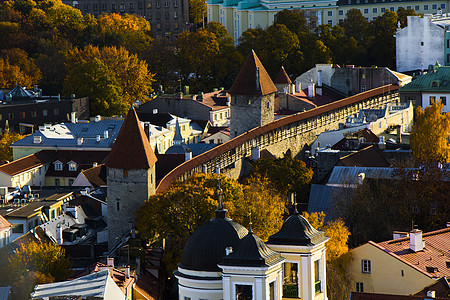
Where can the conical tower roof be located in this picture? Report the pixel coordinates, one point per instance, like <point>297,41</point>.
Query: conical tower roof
<point>253,79</point>
<point>131,150</point>
<point>282,77</point>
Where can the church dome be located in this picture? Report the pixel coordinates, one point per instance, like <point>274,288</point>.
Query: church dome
<point>206,247</point>
<point>297,231</point>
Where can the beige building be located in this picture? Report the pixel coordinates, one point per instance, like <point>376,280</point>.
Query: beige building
<point>404,265</point>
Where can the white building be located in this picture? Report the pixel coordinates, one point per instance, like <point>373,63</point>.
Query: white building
<point>423,42</point>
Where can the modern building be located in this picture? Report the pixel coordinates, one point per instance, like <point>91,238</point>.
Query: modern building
<point>167,18</point>
<point>432,86</point>
<point>240,15</point>
<point>24,110</point>
<point>423,42</point>
<point>224,260</point>
<point>404,265</point>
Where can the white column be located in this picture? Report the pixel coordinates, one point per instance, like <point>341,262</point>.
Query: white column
<point>279,286</point>
<point>324,275</point>
<point>258,292</point>
<point>226,288</point>
<point>319,17</point>
<point>305,278</point>
<point>312,290</point>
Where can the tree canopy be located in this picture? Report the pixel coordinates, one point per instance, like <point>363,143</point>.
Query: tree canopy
<point>6,139</point>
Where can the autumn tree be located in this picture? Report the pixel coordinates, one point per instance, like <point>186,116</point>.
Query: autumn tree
<point>197,11</point>
<point>6,139</point>
<point>111,77</point>
<point>430,134</point>
<point>19,57</point>
<point>11,75</point>
<point>37,263</point>
<point>186,205</point>
<point>338,258</point>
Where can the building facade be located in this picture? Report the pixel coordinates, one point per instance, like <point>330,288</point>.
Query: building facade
<point>239,15</point>
<point>167,18</point>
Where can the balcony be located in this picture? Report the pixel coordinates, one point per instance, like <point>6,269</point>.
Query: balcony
<point>290,291</point>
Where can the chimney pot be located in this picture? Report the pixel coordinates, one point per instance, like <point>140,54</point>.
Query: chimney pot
<point>228,250</point>
<point>110,261</point>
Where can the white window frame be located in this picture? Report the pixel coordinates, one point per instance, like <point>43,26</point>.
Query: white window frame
<point>72,166</point>
<point>366,266</point>
<point>359,287</point>
<point>235,284</point>
<point>58,166</point>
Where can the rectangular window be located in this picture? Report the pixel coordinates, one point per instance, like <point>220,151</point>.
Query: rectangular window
<point>391,8</point>
<point>175,25</point>
<point>444,100</point>
<point>365,266</point>
<point>317,282</point>
<point>175,3</point>
<point>448,60</point>
<point>11,116</point>
<point>52,213</point>
<point>57,183</point>
<point>375,10</point>
<point>149,5</point>
<point>383,9</point>
<point>22,115</point>
<point>44,112</point>
<point>341,12</point>
<point>131,6</point>
<point>244,292</point>
<point>359,287</point>
<point>443,5</point>
<point>86,6</point>
<point>104,7</point>
<point>166,4</point>
<point>330,22</point>
<point>432,100</point>
<point>56,111</point>
<point>158,5</point>
<point>140,5</point>
<point>118,205</point>
<point>417,7</point>
<point>95,6</point>
<point>113,7</point>
<point>408,7</point>
<point>366,10</point>
<point>71,181</point>
<point>1,117</point>
<point>330,13</point>
<point>363,88</point>
<point>434,6</point>
<point>425,7</point>
<point>17,228</point>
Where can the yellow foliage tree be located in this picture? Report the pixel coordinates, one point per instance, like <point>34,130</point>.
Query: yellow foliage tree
<point>5,142</point>
<point>430,134</point>
<point>10,75</point>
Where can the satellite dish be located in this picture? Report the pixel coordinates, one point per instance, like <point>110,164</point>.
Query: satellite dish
<point>373,117</point>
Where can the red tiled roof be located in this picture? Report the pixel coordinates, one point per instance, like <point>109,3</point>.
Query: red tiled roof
<point>26,163</point>
<point>205,157</point>
<point>96,175</point>
<point>245,82</point>
<point>282,77</point>
<point>435,254</point>
<point>131,150</point>
<point>4,224</point>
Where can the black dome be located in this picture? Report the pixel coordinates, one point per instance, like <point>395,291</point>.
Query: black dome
<point>297,231</point>
<point>206,247</point>
<point>252,252</point>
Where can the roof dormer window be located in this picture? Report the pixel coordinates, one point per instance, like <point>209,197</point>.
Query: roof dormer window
<point>72,166</point>
<point>58,166</point>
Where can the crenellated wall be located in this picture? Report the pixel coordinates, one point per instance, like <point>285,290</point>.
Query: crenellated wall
<point>289,133</point>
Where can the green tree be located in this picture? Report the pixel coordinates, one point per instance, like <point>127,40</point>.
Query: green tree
<point>382,46</point>
<point>403,14</point>
<point>430,134</point>
<point>286,174</point>
<point>356,26</point>
<point>186,205</point>
<point>6,139</point>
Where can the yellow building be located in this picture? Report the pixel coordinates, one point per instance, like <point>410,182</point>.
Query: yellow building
<point>239,15</point>
<point>404,265</point>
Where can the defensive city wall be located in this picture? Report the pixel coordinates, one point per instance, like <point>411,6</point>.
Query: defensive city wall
<point>289,133</point>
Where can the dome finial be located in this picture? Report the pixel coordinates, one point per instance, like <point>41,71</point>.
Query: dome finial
<point>220,211</point>
<point>250,224</point>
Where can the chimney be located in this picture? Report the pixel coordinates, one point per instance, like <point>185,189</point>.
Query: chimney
<point>59,234</point>
<point>204,169</point>
<point>258,87</point>
<point>399,134</point>
<point>399,234</point>
<point>79,141</point>
<point>431,294</point>
<point>311,90</point>
<point>381,143</point>
<point>105,134</point>
<point>292,88</point>
<point>188,154</point>
<point>415,240</point>
<point>97,118</point>
<point>98,137</point>
<point>110,261</point>
<point>298,86</point>
<point>94,164</point>
<point>255,153</point>
<point>228,250</point>
<point>127,271</point>
<point>147,130</point>
<point>73,117</point>
<point>155,111</point>
<point>361,177</point>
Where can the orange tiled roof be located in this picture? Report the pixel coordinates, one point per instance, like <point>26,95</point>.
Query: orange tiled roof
<point>434,256</point>
<point>131,150</point>
<point>282,77</point>
<point>216,151</point>
<point>25,163</point>
<point>245,82</point>
<point>4,224</point>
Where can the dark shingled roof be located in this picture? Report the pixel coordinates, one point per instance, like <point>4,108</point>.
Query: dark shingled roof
<point>206,247</point>
<point>131,150</point>
<point>252,252</point>
<point>245,82</point>
<point>368,157</point>
<point>297,231</point>
<point>282,77</point>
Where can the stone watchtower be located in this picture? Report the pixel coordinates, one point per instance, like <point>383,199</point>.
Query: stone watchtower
<point>252,97</point>
<point>130,177</point>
